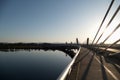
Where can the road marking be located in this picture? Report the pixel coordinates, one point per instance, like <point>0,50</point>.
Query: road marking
<point>107,69</point>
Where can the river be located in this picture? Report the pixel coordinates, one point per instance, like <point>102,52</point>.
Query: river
<point>32,65</point>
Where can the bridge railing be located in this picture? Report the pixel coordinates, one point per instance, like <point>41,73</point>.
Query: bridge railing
<point>68,68</point>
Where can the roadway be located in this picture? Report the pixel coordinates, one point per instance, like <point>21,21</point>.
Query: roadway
<point>91,66</point>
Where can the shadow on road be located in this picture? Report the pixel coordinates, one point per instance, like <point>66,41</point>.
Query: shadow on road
<point>87,69</point>
<point>103,69</point>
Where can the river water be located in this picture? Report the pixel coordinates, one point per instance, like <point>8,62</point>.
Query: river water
<point>32,65</point>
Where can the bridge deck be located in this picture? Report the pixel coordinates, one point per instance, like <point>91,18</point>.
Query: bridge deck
<point>91,66</point>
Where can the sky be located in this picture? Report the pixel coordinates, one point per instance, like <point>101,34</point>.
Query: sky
<point>53,20</point>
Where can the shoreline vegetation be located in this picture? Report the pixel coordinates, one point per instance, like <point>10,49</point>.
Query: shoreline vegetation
<point>66,48</point>
<point>38,46</point>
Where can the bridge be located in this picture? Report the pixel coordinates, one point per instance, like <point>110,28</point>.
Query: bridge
<point>91,61</point>
<point>96,61</point>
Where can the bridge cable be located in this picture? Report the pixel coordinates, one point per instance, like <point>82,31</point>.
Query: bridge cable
<point>109,23</point>
<point>103,20</point>
<point>111,33</point>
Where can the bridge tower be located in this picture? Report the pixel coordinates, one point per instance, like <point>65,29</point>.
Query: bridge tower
<point>87,41</point>
<point>77,41</point>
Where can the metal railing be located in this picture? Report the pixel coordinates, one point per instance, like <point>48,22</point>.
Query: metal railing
<point>69,67</point>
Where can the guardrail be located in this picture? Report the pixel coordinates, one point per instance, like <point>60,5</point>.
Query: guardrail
<point>68,68</point>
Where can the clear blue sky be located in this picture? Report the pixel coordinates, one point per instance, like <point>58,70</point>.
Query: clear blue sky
<point>51,20</point>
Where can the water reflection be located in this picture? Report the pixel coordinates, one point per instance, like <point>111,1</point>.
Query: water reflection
<point>69,52</point>
<point>32,64</point>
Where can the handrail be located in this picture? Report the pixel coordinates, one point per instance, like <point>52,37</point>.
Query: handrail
<point>68,68</point>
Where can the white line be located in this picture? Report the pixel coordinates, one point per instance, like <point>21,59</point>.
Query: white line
<point>107,69</point>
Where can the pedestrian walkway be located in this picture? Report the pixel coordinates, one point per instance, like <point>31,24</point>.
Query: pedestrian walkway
<point>92,66</point>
